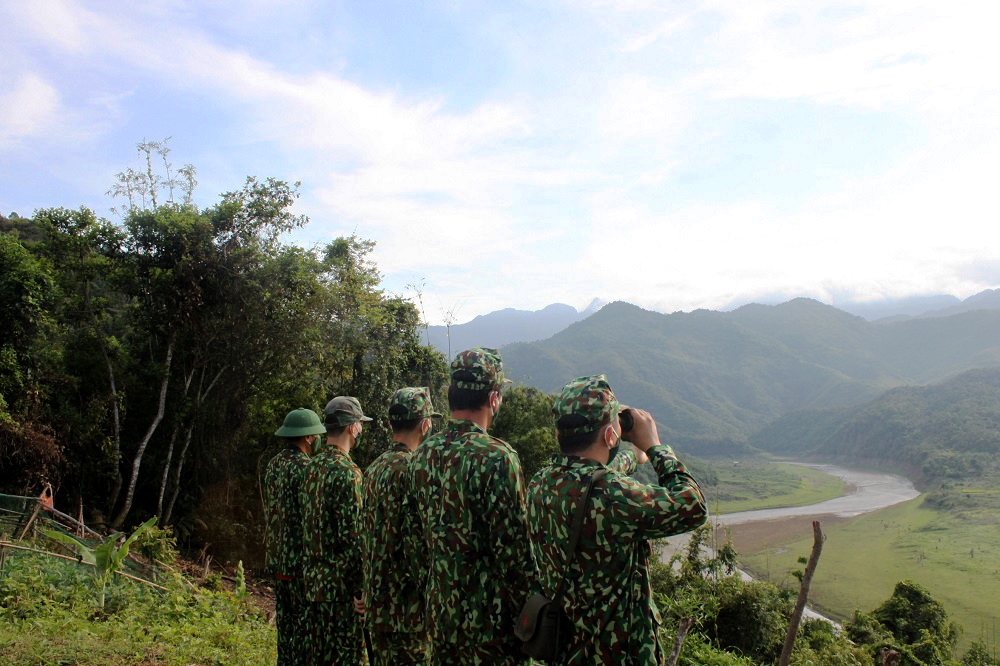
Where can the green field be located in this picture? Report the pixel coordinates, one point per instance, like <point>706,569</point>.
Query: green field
<point>751,484</point>
<point>956,557</point>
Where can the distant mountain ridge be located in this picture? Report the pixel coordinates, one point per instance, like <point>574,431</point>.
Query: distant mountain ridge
<point>502,327</point>
<point>711,378</point>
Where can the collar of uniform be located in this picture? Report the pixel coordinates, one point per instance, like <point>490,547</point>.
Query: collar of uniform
<point>463,426</point>
<point>334,451</point>
<point>571,461</point>
<point>399,446</point>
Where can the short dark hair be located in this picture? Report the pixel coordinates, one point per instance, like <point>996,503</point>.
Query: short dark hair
<point>334,430</point>
<point>460,398</point>
<point>406,425</point>
<point>578,441</point>
<point>293,442</point>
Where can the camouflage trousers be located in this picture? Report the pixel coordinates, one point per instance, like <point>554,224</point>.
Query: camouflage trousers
<point>336,634</point>
<point>480,654</point>
<point>290,617</point>
<point>401,647</point>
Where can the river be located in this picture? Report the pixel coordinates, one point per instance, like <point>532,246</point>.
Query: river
<point>864,492</point>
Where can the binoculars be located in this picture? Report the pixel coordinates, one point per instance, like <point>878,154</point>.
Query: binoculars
<point>626,420</point>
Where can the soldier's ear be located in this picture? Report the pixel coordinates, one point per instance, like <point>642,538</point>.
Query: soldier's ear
<point>609,436</point>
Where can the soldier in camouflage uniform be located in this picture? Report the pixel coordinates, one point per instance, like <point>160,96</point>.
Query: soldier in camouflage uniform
<point>332,569</point>
<point>470,495</point>
<point>395,557</point>
<point>608,596</point>
<point>282,485</point>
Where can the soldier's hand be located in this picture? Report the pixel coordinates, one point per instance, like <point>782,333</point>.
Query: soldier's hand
<point>643,434</point>
<point>359,606</point>
<point>640,456</point>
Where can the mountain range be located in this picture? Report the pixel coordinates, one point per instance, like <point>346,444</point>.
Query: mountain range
<point>502,327</point>
<point>712,378</point>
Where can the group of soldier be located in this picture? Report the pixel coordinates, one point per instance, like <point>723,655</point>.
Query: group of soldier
<point>428,557</point>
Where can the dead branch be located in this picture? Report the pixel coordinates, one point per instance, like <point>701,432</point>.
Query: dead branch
<point>800,603</point>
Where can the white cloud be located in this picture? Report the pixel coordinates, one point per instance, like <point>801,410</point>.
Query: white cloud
<point>27,109</point>
<point>496,203</point>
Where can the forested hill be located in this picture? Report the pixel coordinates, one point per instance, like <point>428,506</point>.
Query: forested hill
<point>711,378</point>
<point>947,429</point>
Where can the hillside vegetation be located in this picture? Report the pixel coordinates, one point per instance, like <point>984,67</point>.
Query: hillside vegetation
<point>949,430</point>
<point>712,378</point>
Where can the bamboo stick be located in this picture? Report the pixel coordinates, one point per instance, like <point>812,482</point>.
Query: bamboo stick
<point>8,544</point>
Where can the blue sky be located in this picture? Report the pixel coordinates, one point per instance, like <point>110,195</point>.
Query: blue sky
<point>673,154</point>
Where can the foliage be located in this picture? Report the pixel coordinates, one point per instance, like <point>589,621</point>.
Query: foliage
<point>157,545</point>
<point>949,430</point>
<point>979,655</point>
<point>525,422</point>
<point>736,622</point>
<point>912,622</point>
<point>161,353</point>
<point>47,616</point>
<point>106,558</point>
<point>29,453</point>
<point>819,643</point>
<point>752,618</point>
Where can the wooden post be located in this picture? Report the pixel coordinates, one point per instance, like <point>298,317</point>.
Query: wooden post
<point>34,514</point>
<point>682,629</point>
<point>800,603</point>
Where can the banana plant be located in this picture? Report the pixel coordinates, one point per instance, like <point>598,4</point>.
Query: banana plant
<point>106,557</point>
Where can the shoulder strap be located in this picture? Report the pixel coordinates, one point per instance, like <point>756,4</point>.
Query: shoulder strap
<point>575,531</point>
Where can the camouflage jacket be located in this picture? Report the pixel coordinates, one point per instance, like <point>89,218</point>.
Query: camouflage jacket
<point>469,492</point>
<point>282,483</point>
<point>394,553</point>
<point>331,510</point>
<point>608,595</point>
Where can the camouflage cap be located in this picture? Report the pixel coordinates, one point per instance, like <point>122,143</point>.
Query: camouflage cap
<point>478,369</point>
<point>587,397</point>
<point>343,410</point>
<point>412,402</point>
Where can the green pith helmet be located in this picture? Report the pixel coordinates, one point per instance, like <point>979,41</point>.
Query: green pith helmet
<point>300,423</point>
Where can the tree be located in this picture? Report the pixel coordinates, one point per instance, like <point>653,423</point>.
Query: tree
<point>912,622</point>
<point>79,248</point>
<point>29,454</point>
<point>525,422</point>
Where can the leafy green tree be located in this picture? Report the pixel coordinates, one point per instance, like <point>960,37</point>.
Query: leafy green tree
<point>912,622</point>
<point>92,313</point>
<point>525,422</point>
<point>178,339</point>
<point>29,454</point>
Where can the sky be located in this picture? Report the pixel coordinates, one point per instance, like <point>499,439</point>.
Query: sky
<point>673,154</point>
